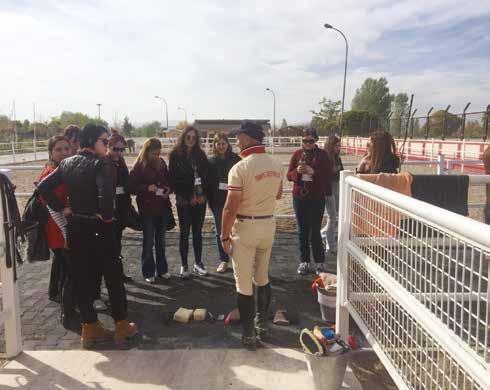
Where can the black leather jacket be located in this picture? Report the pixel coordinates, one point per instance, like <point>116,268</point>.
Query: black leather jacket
<point>90,182</point>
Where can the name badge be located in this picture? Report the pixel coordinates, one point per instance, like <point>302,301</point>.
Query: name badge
<point>223,186</point>
<point>159,192</point>
<point>306,177</point>
<point>120,190</point>
<point>197,181</point>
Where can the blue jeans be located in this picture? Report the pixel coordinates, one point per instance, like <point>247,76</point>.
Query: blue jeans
<point>154,229</point>
<point>309,215</point>
<point>330,231</point>
<point>217,213</point>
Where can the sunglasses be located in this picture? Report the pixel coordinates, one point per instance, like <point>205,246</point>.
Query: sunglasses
<point>105,141</point>
<point>119,149</point>
<point>308,141</point>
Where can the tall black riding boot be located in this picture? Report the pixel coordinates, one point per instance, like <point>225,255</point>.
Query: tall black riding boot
<point>246,308</point>
<point>264,294</point>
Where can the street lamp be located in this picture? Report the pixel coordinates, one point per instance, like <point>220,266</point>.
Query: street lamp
<point>274,117</point>
<point>330,27</point>
<point>98,106</point>
<point>166,107</point>
<point>185,113</point>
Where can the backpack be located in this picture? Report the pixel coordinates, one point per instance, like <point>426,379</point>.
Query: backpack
<point>34,219</point>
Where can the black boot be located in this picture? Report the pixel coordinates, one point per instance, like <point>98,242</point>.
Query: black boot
<point>246,309</point>
<point>263,303</point>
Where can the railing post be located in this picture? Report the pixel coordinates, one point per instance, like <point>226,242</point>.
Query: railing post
<point>13,152</point>
<point>345,203</point>
<point>441,164</point>
<point>10,298</point>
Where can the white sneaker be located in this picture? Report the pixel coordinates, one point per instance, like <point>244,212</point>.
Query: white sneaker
<point>222,268</point>
<point>184,272</point>
<point>165,276</point>
<point>150,280</point>
<point>200,270</point>
<point>304,268</point>
<point>100,305</point>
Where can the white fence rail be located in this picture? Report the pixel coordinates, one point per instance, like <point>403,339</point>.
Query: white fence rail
<point>415,279</point>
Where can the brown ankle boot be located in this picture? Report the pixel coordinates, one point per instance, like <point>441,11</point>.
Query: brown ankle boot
<point>124,331</point>
<point>93,332</point>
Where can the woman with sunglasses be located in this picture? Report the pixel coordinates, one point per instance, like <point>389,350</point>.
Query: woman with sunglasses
<point>117,147</point>
<point>188,168</point>
<point>219,167</point>
<point>149,181</point>
<point>55,230</point>
<point>90,181</point>
<point>310,170</point>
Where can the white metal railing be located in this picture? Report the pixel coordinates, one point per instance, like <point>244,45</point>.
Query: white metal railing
<point>415,279</point>
<point>10,313</point>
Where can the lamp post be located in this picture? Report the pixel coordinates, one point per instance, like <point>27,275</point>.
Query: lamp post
<point>274,116</point>
<point>98,106</point>
<point>166,108</point>
<point>185,113</point>
<point>34,141</point>
<point>330,27</point>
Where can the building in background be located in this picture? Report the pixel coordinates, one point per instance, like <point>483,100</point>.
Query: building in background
<point>209,127</point>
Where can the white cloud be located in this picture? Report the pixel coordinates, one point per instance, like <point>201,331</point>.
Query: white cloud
<point>215,57</point>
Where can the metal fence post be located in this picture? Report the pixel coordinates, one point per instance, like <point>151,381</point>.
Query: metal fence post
<point>10,298</point>
<point>441,164</point>
<point>345,203</point>
<point>13,152</point>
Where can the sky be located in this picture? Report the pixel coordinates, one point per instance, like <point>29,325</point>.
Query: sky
<point>216,58</point>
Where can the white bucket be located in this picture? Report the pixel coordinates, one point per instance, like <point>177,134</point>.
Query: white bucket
<point>327,300</point>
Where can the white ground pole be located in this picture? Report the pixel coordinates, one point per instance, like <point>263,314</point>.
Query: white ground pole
<point>10,315</point>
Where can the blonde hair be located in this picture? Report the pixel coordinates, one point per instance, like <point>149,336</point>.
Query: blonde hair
<point>149,145</point>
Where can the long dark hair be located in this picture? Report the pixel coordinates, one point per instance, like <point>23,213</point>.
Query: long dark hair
<point>180,148</point>
<point>52,144</point>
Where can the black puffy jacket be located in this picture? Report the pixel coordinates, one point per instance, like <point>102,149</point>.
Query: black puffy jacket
<point>91,185</point>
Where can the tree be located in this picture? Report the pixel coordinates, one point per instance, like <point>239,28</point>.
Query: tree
<point>127,127</point>
<point>450,122</point>
<point>181,125</point>
<point>399,108</point>
<point>284,124</point>
<point>150,129</point>
<point>74,118</point>
<point>326,120</point>
<point>361,123</point>
<point>373,97</point>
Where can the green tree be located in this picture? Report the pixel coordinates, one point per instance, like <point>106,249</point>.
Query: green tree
<point>473,129</point>
<point>361,123</point>
<point>127,127</point>
<point>74,118</point>
<point>399,109</point>
<point>326,120</point>
<point>450,122</point>
<point>181,125</point>
<point>150,129</point>
<point>374,97</point>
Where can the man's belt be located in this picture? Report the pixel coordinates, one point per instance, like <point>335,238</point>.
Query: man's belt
<point>257,217</point>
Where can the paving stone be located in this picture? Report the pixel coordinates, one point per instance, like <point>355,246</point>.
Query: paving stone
<point>150,306</point>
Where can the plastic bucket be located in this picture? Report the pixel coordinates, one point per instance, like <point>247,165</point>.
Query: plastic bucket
<point>327,371</point>
<point>327,300</point>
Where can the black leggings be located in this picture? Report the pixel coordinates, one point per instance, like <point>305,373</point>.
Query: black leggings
<point>191,216</point>
<point>61,280</point>
<point>94,253</point>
